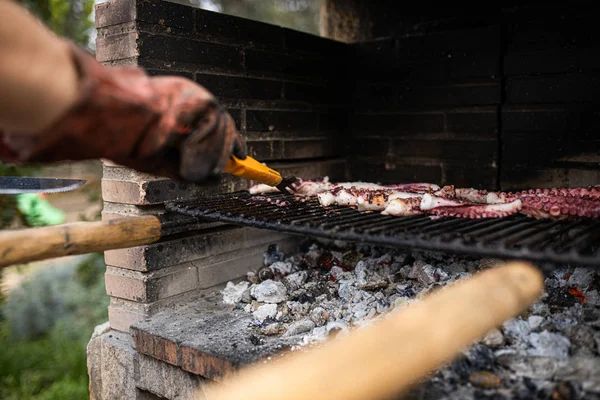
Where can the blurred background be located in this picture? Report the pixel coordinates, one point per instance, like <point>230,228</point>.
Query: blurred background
<point>49,309</point>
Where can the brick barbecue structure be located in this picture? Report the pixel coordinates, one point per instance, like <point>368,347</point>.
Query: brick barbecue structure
<point>505,101</point>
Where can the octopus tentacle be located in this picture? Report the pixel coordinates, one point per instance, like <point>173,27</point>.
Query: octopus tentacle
<point>560,206</point>
<point>478,211</point>
<point>403,207</point>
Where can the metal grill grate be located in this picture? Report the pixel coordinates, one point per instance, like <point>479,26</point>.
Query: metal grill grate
<point>515,237</point>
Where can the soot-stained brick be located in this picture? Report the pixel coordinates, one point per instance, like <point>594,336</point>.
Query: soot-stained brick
<point>240,88</point>
<point>165,13</point>
<point>222,26</point>
<point>398,124</point>
<point>189,51</point>
<point>478,122</point>
<point>553,89</point>
<point>367,169</point>
<point>264,121</point>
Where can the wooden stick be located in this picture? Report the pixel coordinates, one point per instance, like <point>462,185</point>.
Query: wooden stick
<point>33,244</point>
<point>386,358</point>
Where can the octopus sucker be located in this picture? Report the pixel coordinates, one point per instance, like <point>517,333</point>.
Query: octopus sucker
<point>560,206</point>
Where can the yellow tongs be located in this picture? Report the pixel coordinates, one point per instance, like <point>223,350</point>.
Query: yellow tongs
<point>253,170</point>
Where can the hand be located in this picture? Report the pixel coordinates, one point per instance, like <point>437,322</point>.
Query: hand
<point>163,125</point>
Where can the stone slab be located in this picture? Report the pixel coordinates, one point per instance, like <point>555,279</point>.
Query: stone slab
<point>213,339</point>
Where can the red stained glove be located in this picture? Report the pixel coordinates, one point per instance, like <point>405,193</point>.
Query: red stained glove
<point>162,125</point>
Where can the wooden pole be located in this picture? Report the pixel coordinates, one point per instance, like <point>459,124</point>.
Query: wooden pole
<point>386,358</point>
<point>33,244</point>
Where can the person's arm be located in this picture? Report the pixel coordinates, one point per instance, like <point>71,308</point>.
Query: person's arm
<point>38,81</point>
<point>57,103</point>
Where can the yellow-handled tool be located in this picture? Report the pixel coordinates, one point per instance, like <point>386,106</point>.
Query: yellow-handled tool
<point>251,169</point>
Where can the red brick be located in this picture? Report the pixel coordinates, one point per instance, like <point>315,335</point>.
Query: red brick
<point>121,319</point>
<point>155,346</point>
<point>206,365</point>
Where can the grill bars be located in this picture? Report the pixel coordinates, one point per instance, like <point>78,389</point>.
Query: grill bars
<point>516,237</point>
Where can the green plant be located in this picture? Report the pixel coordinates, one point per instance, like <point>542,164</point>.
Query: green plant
<point>70,19</point>
<point>47,359</point>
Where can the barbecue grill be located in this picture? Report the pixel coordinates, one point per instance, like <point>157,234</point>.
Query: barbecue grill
<point>552,242</point>
<point>503,101</point>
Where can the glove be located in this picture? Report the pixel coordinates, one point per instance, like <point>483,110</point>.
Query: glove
<point>162,125</point>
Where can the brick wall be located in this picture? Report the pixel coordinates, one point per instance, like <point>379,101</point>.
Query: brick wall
<point>551,115</point>
<point>291,112</point>
<point>421,101</point>
<point>500,101</point>
<point>506,100</point>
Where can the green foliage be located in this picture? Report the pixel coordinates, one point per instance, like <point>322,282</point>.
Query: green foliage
<point>66,18</point>
<point>47,359</point>
<point>63,293</point>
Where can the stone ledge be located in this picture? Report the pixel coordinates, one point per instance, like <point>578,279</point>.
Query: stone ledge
<point>206,337</point>
<point>117,371</point>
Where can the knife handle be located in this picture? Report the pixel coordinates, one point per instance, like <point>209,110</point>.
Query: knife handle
<point>253,170</point>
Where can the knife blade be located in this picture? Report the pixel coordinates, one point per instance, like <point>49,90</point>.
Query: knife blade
<point>20,184</point>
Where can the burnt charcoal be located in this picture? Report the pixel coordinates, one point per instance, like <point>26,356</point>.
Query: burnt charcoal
<point>582,336</point>
<point>431,390</point>
<point>272,255</point>
<point>255,340</point>
<point>482,395</point>
<point>561,298</point>
<point>303,296</point>
<point>565,391</point>
<point>549,352</point>
<point>590,314</point>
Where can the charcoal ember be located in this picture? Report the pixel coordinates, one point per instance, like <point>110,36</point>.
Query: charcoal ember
<point>255,340</point>
<point>246,296</point>
<point>543,368</point>
<point>272,255</point>
<point>561,299</point>
<point>592,297</point>
<point>275,328</point>
<point>565,391</point>
<point>583,370</point>
<point>427,274</point>
<point>581,278</point>
<point>275,271</point>
<point>319,316</point>
<point>493,338</point>
<point>370,286</point>
<point>540,354</point>
<point>299,327</point>
<point>582,337</point>
<point>269,291</point>
<point>265,311</point>
<point>265,274</point>
<point>534,321</point>
<point>562,321</point>
<point>547,344</point>
<point>252,277</point>
<point>232,293</point>
<point>298,309</point>
<point>490,263</point>
<point>540,309</point>
<point>310,260</point>
<point>338,274</point>
<point>590,314</point>
<point>474,359</point>
<point>516,331</point>
<point>295,281</point>
<point>327,261</point>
